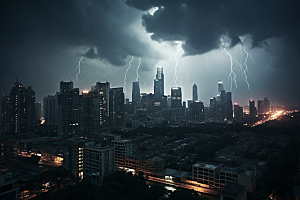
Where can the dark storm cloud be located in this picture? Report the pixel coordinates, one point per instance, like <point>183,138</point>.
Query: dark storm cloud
<point>201,23</point>
<point>102,24</point>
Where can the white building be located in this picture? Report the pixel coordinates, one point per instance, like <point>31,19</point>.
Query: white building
<point>123,149</point>
<point>98,162</point>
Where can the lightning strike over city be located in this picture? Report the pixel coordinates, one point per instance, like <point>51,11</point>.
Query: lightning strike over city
<point>177,99</point>
<point>78,66</point>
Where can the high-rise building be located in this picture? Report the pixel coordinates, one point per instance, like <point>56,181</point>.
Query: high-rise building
<point>196,112</point>
<point>220,86</point>
<point>38,110</point>
<point>176,104</point>
<point>100,95</point>
<point>98,162</point>
<point>116,108</point>
<point>260,106</point>
<point>50,109</point>
<point>252,108</point>
<point>69,111</point>
<point>266,105</point>
<point>238,112</point>
<point>195,93</point>
<point>136,94</point>
<point>22,110</point>
<point>159,83</point>
<point>5,114</point>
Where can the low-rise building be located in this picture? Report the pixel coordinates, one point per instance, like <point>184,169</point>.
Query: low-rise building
<point>98,162</point>
<point>8,189</point>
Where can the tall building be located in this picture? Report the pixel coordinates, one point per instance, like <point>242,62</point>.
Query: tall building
<point>69,111</point>
<point>195,93</point>
<point>38,110</point>
<point>226,106</point>
<point>116,108</point>
<point>100,105</point>
<point>159,83</point>
<point>176,104</point>
<point>238,113</point>
<point>136,94</point>
<point>196,112</point>
<point>260,106</point>
<point>5,114</point>
<point>50,109</point>
<point>220,86</point>
<point>252,108</point>
<point>266,105</point>
<point>98,162</point>
<point>22,110</point>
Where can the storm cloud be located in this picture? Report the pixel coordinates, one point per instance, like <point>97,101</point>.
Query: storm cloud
<point>200,24</point>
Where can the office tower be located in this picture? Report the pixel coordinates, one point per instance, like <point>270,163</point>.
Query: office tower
<point>116,107</point>
<point>252,108</point>
<point>196,112</point>
<point>98,162</point>
<point>176,104</point>
<point>159,83</point>
<point>69,111</point>
<point>266,105</point>
<point>238,113</point>
<point>5,114</point>
<point>225,103</point>
<point>195,93</point>
<point>260,106</point>
<point>136,94</point>
<point>123,149</point>
<point>151,106</point>
<point>7,157</point>
<point>100,95</point>
<point>22,110</point>
<point>50,109</point>
<point>38,110</point>
<point>220,86</point>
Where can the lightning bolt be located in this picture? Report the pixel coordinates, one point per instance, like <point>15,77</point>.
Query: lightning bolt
<point>232,75</point>
<point>125,91</point>
<point>79,68</point>
<point>183,66</point>
<point>246,67</point>
<point>137,72</point>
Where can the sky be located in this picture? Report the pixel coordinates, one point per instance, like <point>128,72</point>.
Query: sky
<point>252,46</point>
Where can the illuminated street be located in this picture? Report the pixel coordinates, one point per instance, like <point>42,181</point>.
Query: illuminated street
<point>272,117</point>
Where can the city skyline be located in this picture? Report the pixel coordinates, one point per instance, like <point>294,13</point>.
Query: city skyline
<point>106,40</point>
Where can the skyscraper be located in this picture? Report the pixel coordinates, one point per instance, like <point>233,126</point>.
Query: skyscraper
<point>252,108</point>
<point>176,104</point>
<point>220,86</point>
<point>116,107</point>
<point>266,105</point>
<point>136,94</point>
<point>238,112</point>
<point>196,112</point>
<point>159,83</point>
<point>195,93</point>
<point>50,110</point>
<point>22,110</point>
<point>68,111</point>
<point>260,106</point>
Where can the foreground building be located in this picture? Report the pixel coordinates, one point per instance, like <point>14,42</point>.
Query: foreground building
<point>98,162</point>
<point>217,176</point>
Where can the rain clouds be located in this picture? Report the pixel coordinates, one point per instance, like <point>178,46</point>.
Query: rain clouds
<point>104,25</point>
<point>202,23</point>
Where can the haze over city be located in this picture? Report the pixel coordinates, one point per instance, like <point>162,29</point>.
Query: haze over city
<point>43,42</point>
